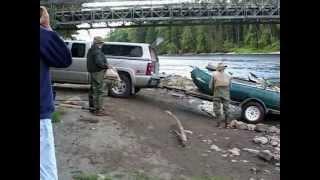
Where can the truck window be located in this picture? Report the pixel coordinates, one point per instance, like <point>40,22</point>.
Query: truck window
<point>122,50</point>
<point>78,50</point>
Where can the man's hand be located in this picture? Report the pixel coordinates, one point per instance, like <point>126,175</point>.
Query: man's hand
<point>45,19</point>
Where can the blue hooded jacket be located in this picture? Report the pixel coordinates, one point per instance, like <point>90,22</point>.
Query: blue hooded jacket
<point>53,53</point>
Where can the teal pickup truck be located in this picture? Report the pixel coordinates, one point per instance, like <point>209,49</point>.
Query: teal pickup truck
<point>255,99</point>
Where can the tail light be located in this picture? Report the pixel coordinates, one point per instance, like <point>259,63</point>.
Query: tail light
<point>150,69</point>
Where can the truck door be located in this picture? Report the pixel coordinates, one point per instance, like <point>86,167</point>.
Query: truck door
<point>77,72</point>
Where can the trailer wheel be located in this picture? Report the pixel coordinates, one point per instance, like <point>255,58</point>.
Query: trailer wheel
<point>253,112</point>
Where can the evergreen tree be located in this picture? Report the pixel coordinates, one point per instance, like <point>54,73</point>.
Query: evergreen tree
<point>187,42</point>
<point>265,38</point>
<point>140,34</point>
<point>176,34</point>
<point>250,38</point>
<point>171,48</point>
<point>202,41</point>
<point>119,36</point>
<point>151,35</point>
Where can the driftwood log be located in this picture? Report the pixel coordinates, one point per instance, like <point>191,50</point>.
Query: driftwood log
<point>72,106</point>
<point>182,132</point>
<point>68,100</point>
<point>71,86</point>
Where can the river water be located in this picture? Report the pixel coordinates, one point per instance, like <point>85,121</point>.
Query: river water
<point>263,65</point>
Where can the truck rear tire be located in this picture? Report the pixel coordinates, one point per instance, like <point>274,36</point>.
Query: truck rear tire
<point>253,112</point>
<point>123,89</point>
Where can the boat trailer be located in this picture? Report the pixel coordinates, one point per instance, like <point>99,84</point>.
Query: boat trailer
<point>195,94</point>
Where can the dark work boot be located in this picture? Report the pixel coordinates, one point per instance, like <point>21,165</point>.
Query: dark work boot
<point>92,110</point>
<point>101,113</point>
<point>218,119</point>
<point>227,124</point>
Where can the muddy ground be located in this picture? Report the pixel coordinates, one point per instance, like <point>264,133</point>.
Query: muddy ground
<point>138,137</point>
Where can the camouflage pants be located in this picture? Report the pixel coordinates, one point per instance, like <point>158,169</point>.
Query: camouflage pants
<point>217,102</point>
<point>96,91</point>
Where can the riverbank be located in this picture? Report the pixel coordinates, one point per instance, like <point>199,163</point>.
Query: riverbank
<point>137,139</point>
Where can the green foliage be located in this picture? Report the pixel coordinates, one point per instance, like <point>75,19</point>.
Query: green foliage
<point>202,41</point>
<point>176,33</point>
<point>171,48</point>
<point>151,35</point>
<point>85,177</point>
<point>56,117</point>
<point>119,36</point>
<point>275,45</point>
<point>250,39</point>
<point>265,39</point>
<point>140,34</point>
<point>187,42</point>
<point>227,45</point>
<point>205,39</point>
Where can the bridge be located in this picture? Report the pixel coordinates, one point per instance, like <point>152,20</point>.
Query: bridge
<point>68,17</point>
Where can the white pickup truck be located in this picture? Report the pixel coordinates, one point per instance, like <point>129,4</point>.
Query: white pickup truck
<point>137,64</point>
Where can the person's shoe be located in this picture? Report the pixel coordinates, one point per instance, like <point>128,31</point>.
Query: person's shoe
<point>101,113</point>
<point>227,125</point>
<point>92,109</point>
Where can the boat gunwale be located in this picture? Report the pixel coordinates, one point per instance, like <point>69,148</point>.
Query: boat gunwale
<point>244,83</point>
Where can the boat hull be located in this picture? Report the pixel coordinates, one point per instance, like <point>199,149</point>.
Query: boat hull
<point>240,91</point>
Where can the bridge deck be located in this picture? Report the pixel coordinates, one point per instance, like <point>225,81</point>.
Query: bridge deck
<point>168,14</point>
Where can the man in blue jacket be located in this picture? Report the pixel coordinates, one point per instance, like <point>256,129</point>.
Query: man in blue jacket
<point>53,53</point>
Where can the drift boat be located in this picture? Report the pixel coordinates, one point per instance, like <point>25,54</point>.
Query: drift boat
<point>255,98</point>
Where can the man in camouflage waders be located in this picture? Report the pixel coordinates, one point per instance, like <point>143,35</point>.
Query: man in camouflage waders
<point>221,94</point>
<point>97,65</point>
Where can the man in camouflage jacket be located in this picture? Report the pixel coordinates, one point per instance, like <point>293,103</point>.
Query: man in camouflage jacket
<point>97,65</point>
<point>221,82</point>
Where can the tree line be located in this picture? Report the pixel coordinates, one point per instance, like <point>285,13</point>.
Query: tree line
<point>205,39</point>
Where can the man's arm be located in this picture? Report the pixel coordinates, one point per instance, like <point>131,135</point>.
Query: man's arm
<point>100,60</point>
<point>53,50</point>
